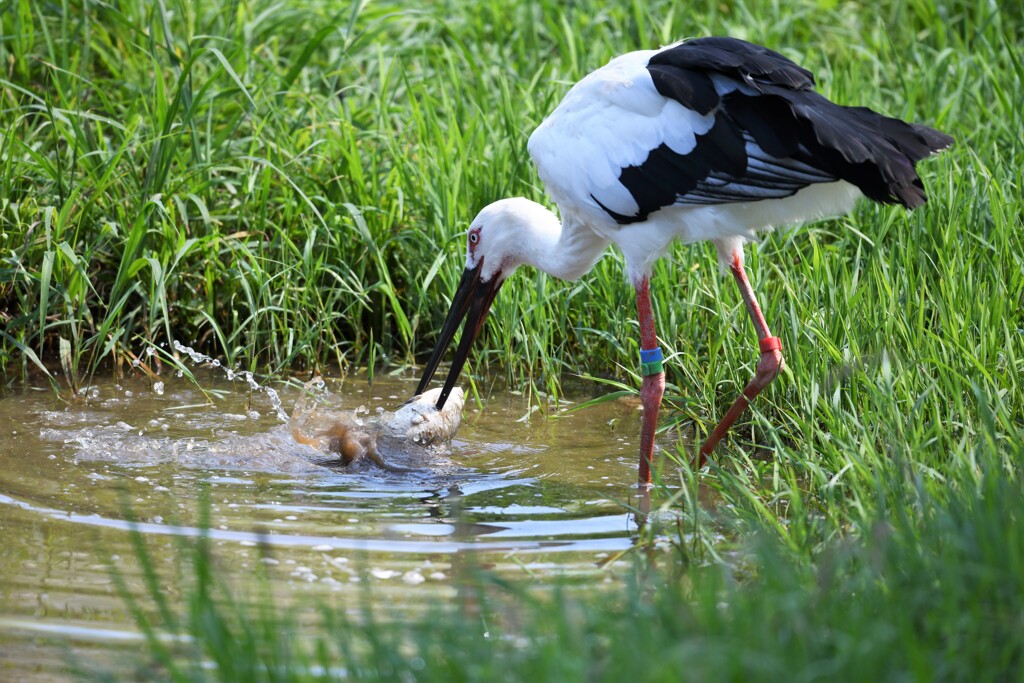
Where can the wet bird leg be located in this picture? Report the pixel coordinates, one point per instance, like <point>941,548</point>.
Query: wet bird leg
<point>767,368</point>
<point>652,387</point>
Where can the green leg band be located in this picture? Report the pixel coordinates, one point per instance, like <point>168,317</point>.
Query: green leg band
<point>651,368</point>
<point>650,361</point>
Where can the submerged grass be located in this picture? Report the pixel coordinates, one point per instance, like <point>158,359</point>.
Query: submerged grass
<point>283,186</point>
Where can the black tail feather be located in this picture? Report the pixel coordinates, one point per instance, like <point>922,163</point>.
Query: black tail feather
<point>874,152</point>
<point>766,98</point>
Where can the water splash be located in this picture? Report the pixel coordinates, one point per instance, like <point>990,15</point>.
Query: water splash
<point>235,376</point>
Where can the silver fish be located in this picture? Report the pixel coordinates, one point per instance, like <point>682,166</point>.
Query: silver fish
<point>419,422</point>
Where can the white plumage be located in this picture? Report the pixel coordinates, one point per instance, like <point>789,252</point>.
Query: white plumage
<point>580,148</point>
<point>711,139</point>
<point>612,119</point>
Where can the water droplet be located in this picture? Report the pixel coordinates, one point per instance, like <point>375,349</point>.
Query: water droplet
<point>413,578</point>
<point>158,388</point>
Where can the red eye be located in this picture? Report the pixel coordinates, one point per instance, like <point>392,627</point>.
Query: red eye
<point>474,236</point>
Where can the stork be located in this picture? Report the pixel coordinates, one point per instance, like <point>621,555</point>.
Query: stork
<point>709,139</point>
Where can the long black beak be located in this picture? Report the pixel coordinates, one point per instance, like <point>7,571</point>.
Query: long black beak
<point>472,301</point>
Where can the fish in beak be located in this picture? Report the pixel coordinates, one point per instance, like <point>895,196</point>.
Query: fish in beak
<point>471,303</point>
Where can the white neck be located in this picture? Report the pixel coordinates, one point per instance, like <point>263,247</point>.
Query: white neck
<point>563,251</point>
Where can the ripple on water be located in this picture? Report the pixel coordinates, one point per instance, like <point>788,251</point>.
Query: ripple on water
<point>543,497</point>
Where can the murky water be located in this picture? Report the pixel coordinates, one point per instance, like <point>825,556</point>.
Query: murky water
<point>544,497</point>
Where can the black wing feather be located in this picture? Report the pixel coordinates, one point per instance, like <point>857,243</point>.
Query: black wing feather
<point>737,59</point>
<point>685,85</point>
<point>773,135</point>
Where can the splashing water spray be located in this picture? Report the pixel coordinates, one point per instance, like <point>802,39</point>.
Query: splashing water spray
<point>346,433</point>
<point>237,376</point>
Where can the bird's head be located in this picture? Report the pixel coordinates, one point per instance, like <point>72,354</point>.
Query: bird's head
<point>494,249</point>
<point>497,241</point>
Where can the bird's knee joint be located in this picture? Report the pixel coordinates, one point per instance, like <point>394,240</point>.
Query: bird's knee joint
<point>771,360</point>
<point>769,366</point>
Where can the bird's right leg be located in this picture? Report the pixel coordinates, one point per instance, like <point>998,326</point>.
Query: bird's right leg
<point>767,368</point>
<point>652,387</point>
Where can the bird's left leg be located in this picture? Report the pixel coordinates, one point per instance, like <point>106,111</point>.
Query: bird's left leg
<point>652,387</point>
<point>767,368</point>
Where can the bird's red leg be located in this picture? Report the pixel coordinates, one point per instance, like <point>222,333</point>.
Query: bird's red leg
<point>767,368</point>
<point>652,387</point>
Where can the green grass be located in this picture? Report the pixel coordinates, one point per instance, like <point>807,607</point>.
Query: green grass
<point>934,592</point>
<point>282,186</point>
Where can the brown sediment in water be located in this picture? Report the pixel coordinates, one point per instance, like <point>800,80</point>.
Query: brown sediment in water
<point>415,426</point>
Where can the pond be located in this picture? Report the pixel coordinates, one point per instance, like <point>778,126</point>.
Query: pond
<point>523,497</point>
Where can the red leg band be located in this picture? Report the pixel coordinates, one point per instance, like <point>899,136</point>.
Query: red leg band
<point>770,344</point>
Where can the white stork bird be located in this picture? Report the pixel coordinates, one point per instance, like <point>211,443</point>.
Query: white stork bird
<point>708,139</point>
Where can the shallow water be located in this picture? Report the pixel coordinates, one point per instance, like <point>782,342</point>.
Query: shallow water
<point>536,497</point>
